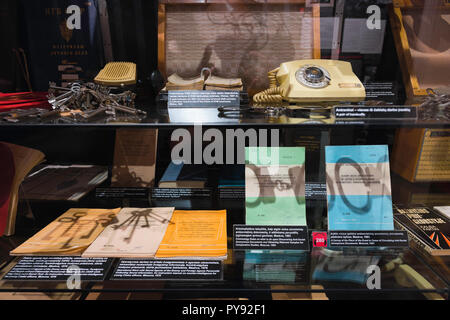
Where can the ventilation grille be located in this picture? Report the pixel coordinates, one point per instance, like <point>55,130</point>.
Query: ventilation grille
<point>117,73</point>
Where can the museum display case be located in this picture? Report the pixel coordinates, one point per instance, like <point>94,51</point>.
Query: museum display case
<point>260,150</point>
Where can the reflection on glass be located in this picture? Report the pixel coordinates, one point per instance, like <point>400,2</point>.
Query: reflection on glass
<point>275,266</point>
<point>334,266</point>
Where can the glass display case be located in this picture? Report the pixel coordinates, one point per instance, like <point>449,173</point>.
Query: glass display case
<point>174,128</point>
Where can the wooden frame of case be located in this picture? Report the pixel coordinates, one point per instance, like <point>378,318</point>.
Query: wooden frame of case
<point>412,86</point>
<point>162,7</point>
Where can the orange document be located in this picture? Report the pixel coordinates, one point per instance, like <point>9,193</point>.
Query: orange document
<point>69,235</point>
<point>195,235</point>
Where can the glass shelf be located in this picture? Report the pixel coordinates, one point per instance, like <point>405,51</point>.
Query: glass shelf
<point>336,273</point>
<point>267,275</point>
<point>252,275</point>
<point>162,118</point>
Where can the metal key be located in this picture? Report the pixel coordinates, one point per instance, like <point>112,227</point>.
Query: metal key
<point>61,97</point>
<point>129,110</point>
<point>89,115</point>
<point>21,114</point>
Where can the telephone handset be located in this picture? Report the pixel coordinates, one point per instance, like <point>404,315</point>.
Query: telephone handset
<point>306,81</point>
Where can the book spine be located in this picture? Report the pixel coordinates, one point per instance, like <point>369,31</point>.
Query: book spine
<point>413,237</point>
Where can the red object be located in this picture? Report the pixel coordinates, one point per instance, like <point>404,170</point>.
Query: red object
<point>23,100</point>
<point>6,182</point>
<point>320,239</point>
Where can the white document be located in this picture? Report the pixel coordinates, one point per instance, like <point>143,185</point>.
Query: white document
<point>329,31</point>
<point>359,38</point>
<point>137,234</point>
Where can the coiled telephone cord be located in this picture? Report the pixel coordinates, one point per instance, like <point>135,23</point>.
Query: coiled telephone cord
<point>272,95</point>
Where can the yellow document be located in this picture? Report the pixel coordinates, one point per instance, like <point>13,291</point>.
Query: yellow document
<point>136,234</point>
<point>195,235</point>
<point>69,235</point>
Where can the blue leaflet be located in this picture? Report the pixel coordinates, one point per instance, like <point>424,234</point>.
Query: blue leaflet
<point>364,213</point>
<point>359,154</point>
<point>359,188</point>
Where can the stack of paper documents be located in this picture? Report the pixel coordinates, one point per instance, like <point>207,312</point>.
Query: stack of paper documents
<point>146,233</point>
<point>136,234</point>
<point>70,234</point>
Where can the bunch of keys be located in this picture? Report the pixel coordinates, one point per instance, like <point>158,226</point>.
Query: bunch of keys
<point>92,100</point>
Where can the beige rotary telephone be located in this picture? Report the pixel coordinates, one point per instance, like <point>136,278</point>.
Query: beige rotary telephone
<point>308,81</point>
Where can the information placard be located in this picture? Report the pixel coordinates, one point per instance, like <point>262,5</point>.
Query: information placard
<point>313,191</point>
<point>59,269</point>
<point>316,191</point>
<point>382,91</point>
<point>180,193</point>
<point>203,99</point>
<point>235,193</point>
<point>168,270</point>
<point>397,239</point>
<point>375,112</point>
<point>270,237</point>
<point>122,193</point>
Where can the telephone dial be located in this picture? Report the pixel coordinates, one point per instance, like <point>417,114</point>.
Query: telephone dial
<point>312,81</point>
